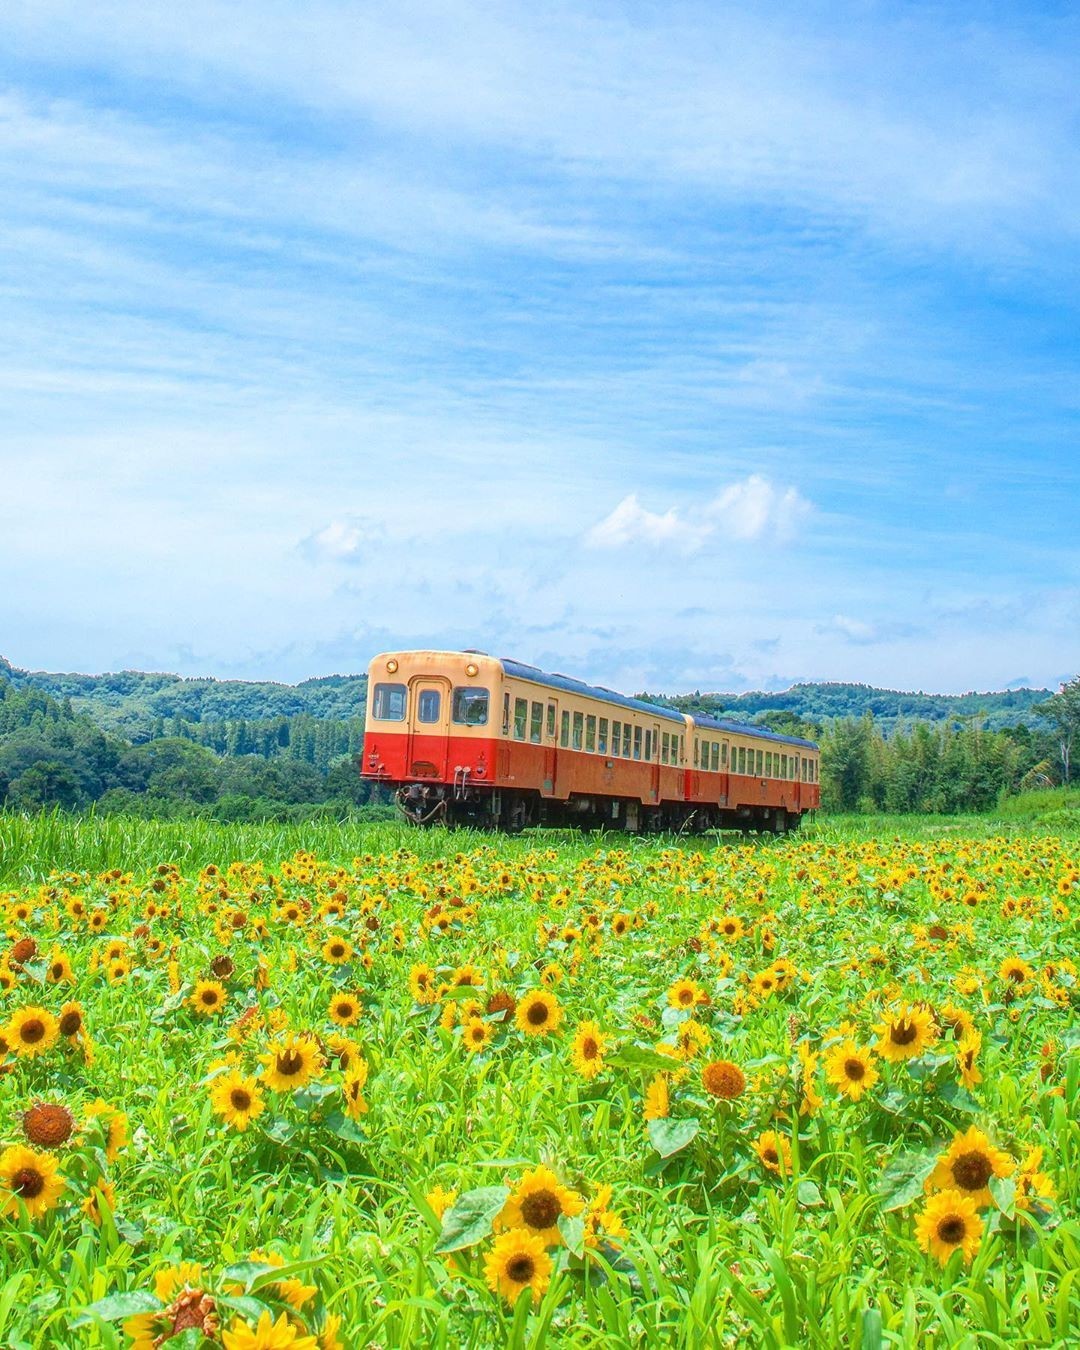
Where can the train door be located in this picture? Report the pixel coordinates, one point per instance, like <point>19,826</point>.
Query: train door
<point>654,777</point>
<point>429,726</point>
<point>551,748</point>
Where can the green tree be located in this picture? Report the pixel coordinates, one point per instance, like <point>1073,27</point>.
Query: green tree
<point>1063,709</point>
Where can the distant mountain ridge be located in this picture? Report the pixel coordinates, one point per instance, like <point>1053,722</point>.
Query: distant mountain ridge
<point>134,703</point>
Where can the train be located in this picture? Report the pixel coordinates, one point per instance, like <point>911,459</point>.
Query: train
<point>464,738</point>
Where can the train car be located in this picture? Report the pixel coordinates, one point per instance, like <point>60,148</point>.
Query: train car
<point>466,738</point>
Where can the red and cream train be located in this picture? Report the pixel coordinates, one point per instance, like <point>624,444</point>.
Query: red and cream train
<point>466,738</point>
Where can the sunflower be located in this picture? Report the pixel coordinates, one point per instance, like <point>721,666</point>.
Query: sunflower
<point>343,1051</point>
<point>685,994</point>
<point>538,1202</point>
<point>538,1013</point>
<point>966,1054</point>
<point>657,1104</point>
<point>337,950</point>
<point>950,1222</point>
<point>690,1038</point>
<point>292,1063</point>
<point>31,1031</point>
<point>48,1124</point>
<point>352,1089</point>
<point>774,1151</point>
<point>517,1262</point>
<point>1015,972</point>
<point>344,1009</point>
<point>724,1079</point>
<point>267,1335</point>
<point>208,998</point>
<point>905,1033</point>
<point>967,1166</point>
<point>237,1099</point>
<point>422,983</point>
<point>475,1034</point>
<point>29,1178</point>
<point>731,928</point>
<point>587,1049</point>
<point>113,1124</point>
<point>440,1200</point>
<point>1033,1186</point>
<point>602,1224</point>
<point>71,1022</point>
<point>59,969</point>
<point>850,1068</point>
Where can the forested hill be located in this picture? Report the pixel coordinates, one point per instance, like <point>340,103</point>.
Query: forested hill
<point>825,702</point>
<point>141,706</point>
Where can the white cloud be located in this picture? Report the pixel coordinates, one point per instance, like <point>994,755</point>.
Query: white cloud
<point>749,510</point>
<point>349,540</point>
<point>631,523</point>
<point>755,508</point>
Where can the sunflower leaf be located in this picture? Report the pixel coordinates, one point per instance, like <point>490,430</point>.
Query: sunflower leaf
<point>471,1217</point>
<point>809,1195</point>
<point>669,1137</point>
<point>572,1228</point>
<point>1003,1189</point>
<point>118,1306</point>
<point>640,1057</point>
<point>903,1179</point>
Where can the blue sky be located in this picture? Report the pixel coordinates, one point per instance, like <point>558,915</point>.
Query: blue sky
<point>669,345</point>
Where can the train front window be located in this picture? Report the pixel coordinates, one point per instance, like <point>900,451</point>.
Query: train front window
<point>470,707</point>
<point>428,705</point>
<point>388,703</point>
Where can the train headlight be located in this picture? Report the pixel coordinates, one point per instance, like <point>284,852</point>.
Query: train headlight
<point>391,665</point>
<point>472,669</point>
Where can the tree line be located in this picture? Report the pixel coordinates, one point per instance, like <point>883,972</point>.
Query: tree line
<point>285,766</point>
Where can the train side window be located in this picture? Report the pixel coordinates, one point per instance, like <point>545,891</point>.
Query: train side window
<point>590,734</point>
<point>551,721</point>
<point>760,762</point>
<point>697,750</point>
<point>626,727</point>
<point>388,703</point>
<point>506,715</point>
<point>428,705</point>
<point>768,764</point>
<point>716,756</point>
<point>470,706</point>
<point>616,737</point>
<point>742,759</point>
<point>521,718</point>
<point>637,742</point>
<point>579,730</point>
<point>783,766</point>
<point>665,747</point>
<point>601,743</point>
<point>564,733</point>
<point>536,723</point>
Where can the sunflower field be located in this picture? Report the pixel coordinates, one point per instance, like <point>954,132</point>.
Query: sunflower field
<point>437,1089</point>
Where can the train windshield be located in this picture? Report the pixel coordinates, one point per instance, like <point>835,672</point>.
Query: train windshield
<point>388,703</point>
<point>470,706</point>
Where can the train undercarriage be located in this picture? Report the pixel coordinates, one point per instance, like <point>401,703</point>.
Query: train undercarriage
<point>427,804</point>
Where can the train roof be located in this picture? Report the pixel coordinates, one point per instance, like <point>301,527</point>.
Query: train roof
<point>521,671</point>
